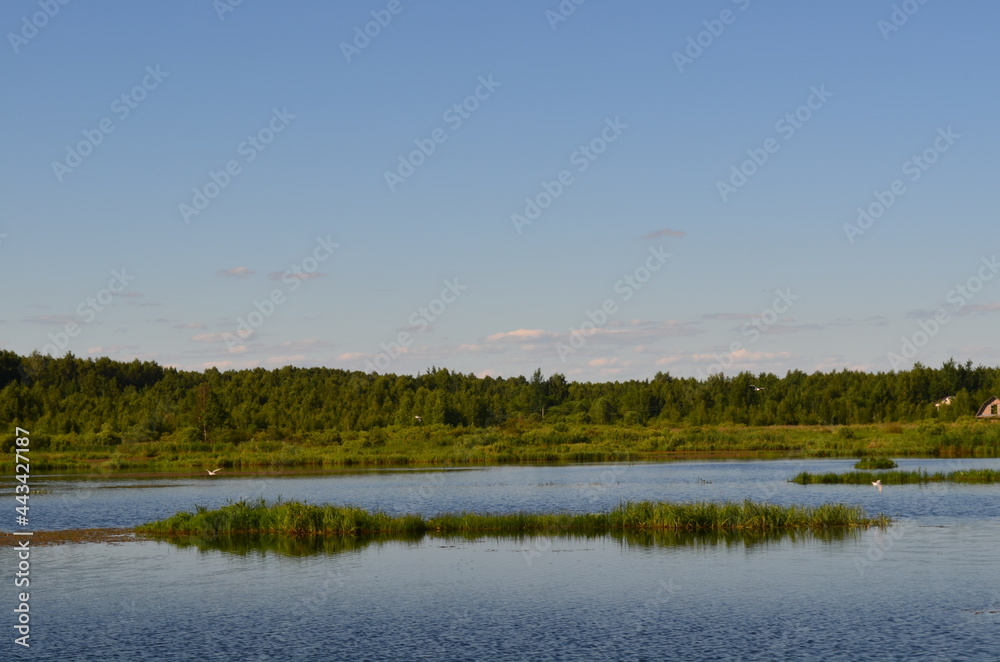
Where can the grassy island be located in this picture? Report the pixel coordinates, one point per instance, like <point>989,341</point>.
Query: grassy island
<point>900,477</point>
<point>297,518</point>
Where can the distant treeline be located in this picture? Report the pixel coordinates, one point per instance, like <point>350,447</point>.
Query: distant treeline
<point>107,402</point>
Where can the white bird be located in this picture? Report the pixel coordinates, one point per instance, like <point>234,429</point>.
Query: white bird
<point>418,418</point>
<point>758,388</point>
<point>212,473</point>
<point>878,484</point>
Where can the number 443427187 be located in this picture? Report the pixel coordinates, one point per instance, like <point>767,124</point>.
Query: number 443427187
<point>22,470</point>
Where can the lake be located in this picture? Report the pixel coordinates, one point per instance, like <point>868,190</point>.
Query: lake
<point>926,589</point>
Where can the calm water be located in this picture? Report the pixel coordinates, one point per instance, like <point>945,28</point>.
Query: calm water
<point>910,593</point>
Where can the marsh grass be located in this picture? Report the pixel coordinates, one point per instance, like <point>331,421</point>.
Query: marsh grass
<point>294,518</point>
<point>900,477</point>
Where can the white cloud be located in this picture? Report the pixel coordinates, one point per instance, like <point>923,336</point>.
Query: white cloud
<point>237,272</point>
<point>208,337</point>
<point>519,335</point>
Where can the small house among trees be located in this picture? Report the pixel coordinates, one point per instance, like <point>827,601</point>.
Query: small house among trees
<point>990,409</point>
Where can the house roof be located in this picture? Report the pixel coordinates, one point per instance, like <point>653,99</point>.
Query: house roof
<point>986,404</point>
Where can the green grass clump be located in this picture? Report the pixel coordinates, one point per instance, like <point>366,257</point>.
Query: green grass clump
<point>975,476</point>
<point>918,476</point>
<point>300,519</point>
<point>875,463</point>
<point>746,516</point>
<point>288,517</point>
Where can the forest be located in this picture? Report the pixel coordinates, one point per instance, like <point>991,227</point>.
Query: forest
<point>73,402</point>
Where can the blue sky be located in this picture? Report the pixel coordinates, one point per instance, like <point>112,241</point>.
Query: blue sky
<point>640,187</point>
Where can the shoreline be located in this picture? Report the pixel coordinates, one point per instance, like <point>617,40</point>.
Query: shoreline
<point>665,457</point>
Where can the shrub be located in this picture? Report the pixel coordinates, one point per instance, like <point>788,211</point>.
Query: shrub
<point>845,432</point>
<point>875,463</point>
